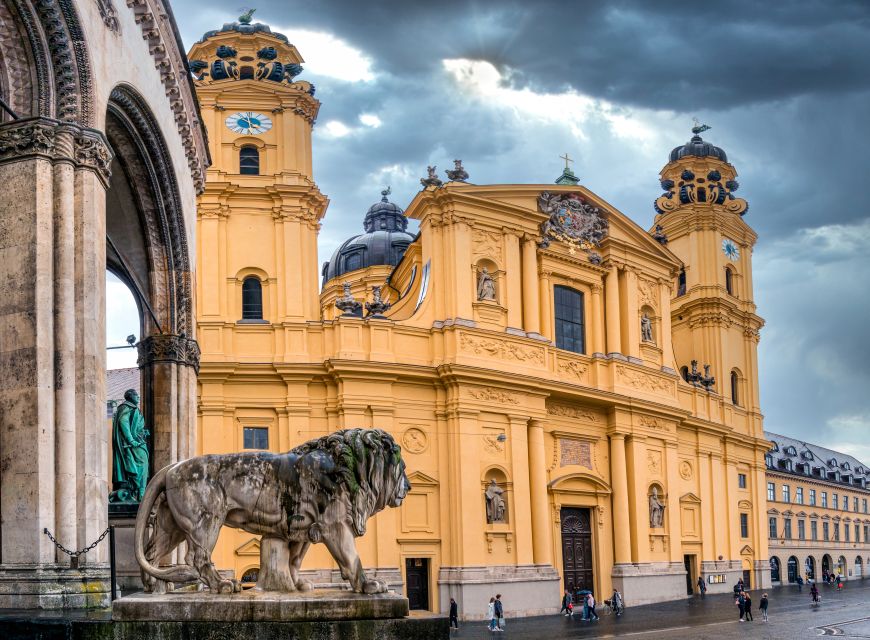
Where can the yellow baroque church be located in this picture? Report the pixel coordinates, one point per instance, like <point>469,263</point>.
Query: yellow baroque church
<point>576,397</point>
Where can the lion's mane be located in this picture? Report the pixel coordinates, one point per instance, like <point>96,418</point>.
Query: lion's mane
<point>367,462</point>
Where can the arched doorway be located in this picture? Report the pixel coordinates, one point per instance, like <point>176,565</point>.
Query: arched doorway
<point>827,565</point>
<point>859,567</point>
<point>775,569</point>
<point>810,567</point>
<point>792,569</point>
<point>842,567</point>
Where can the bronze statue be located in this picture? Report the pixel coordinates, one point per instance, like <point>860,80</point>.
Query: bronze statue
<point>129,451</point>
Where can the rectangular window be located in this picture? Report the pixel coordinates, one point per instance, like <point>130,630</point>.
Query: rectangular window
<point>855,505</point>
<point>825,499</point>
<point>858,534</point>
<point>836,531</point>
<point>256,438</point>
<point>845,503</point>
<point>814,530</point>
<point>834,504</point>
<point>826,533</point>
<point>786,493</point>
<point>812,497</point>
<point>786,528</point>
<point>864,505</point>
<point>846,533</point>
<point>799,495</point>
<point>802,530</point>
<point>866,533</point>
<point>744,525</point>
<point>741,480</point>
<point>771,527</point>
<point>569,319</point>
<point>771,492</point>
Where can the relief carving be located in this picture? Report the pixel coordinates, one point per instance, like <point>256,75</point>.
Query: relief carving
<point>654,462</point>
<point>644,381</point>
<point>572,368</point>
<point>647,292</point>
<point>568,411</point>
<point>490,394</point>
<point>686,470</point>
<point>501,349</point>
<point>653,423</point>
<point>168,348</point>
<point>486,243</point>
<point>575,452</point>
<point>492,445</point>
<point>415,440</point>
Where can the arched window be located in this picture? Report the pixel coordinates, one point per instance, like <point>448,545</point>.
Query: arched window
<point>729,280</point>
<point>774,569</point>
<point>681,283</point>
<point>569,319</point>
<point>252,299</point>
<point>249,161</point>
<point>792,569</point>
<point>735,388</point>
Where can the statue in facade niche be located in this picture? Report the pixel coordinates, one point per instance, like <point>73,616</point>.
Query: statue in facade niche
<point>646,329</point>
<point>495,506</point>
<point>322,491</point>
<point>656,510</point>
<point>485,286</point>
<point>129,451</point>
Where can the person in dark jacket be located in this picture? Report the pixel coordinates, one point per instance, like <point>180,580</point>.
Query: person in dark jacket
<point>454,614</point>
<point>702,586</point>
<point>814,592</point>
<point>747,607</point>
<point>567,604</point>
<point>763,606</point>
<point>499,611</point>
<point>741,604</point>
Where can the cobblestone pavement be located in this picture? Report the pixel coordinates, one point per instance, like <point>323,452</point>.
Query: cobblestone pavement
<point>792,615</point>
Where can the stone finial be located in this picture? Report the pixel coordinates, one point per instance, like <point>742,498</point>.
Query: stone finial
<point>247,16</point>
<point>431,180</point>
<point>459,174</point>
<point>377,306</point>
<point>347,304</point>
<point>659,235</point>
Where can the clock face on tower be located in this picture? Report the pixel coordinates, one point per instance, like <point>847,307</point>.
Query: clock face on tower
<point>249,123</point>
<point>730,249</point>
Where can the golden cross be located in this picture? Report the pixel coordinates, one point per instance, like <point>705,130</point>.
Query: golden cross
<point>566,159</point>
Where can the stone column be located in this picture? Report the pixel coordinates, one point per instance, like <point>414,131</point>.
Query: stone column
<point>531,306</point>
<point>597,322</point>
<point>547,311</point>
<point>638,499</point>
<point>665,332</point>
<point>632,312</point>
<point>513,269</point>
<point>619,484</point>
<point>611,312</point>
<point>672,512</point>
<point>519,450</point>
<point>542,533</point>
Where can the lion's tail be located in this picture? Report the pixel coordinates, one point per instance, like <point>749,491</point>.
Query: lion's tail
<point>180,573</point>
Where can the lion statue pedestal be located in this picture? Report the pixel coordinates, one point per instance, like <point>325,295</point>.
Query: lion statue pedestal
<point>323,491</point>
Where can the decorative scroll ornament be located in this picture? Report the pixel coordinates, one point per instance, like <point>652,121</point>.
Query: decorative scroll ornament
<point>704,190</point>
<point>572,221</point>
<point>168,348</point>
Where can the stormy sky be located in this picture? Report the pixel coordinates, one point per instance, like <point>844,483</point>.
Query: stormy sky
<point>510,86</point>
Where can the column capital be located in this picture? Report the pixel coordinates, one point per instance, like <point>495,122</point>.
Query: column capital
<point>168,348</point>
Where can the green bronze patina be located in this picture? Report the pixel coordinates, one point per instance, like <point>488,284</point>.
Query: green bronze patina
<point>129,451</point>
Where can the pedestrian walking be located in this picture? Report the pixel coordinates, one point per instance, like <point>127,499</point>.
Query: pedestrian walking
<point>800,584</point>
<point>747,607</point>
<point>567,604</point>
<point>741,603</point>
<point>814,592</point>
<point>581,597</point>
<point>490,615</point>
<point>454,614</point>
<point>499,613</point>
<point>590,599</point>
<point>763,606</point>
<point>702,586</point>
<point>839,582</point>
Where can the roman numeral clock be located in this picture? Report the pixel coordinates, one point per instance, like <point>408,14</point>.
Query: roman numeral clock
<point>248,123</point>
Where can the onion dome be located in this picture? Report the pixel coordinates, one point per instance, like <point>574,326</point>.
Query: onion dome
<point>697,147</point>
<point>383,243</point>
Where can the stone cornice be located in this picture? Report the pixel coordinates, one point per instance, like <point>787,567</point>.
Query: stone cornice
<point>56,141</point>
<point>158,30</point>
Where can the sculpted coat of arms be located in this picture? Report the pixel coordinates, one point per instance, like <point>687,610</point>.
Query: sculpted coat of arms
<point>572,221</point>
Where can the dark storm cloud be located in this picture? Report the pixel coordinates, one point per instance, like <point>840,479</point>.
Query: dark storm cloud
<point>784,84</point>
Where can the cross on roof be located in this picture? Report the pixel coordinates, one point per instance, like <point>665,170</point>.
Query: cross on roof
<point>566,159</point>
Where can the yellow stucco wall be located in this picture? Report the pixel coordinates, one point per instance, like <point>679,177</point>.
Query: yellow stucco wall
<point>447,374</point>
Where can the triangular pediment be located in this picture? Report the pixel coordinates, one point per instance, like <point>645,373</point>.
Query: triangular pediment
<point>746,550</point>
<point>420,479</point>
<point>249,548</point>
<point>690,497</point>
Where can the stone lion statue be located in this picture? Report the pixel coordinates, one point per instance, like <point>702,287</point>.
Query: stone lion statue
<point>322,491</point>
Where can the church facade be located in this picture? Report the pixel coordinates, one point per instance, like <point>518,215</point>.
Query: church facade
<point>576,397</point>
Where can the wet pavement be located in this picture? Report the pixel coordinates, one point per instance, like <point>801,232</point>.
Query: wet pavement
<point>844,614</point>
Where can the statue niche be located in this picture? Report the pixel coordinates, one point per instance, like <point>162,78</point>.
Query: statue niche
<point>485,286</point>
<point>496,509</point>
<point>656,510</point>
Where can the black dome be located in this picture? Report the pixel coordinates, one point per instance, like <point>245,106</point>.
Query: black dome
<point>383,243</point>
<point>697,147</point>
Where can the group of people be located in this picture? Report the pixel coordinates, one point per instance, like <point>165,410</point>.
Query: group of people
<point>495,613</point>
<point>586,600</point>
<point>743,600</point>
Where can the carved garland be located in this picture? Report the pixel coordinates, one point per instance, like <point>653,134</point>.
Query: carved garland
<point>490,394</point>
<point>501,349</point>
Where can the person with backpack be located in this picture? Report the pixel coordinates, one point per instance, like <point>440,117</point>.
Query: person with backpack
<point>741,603</point>
<point>763,606</point>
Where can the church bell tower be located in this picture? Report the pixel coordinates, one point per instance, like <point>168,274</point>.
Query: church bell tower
<point>258,217</point>
<point>713,312</point>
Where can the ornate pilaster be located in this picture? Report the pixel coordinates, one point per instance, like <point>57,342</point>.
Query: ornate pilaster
<point>178,349</point>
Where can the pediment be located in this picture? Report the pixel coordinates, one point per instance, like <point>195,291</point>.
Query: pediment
<point>420,479</point>
<point>690,497</point>
<point>773,512</point>
<point>249,548</point>
<point>746,550</point>
<point>580,482</point>
<point>744,504</point>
